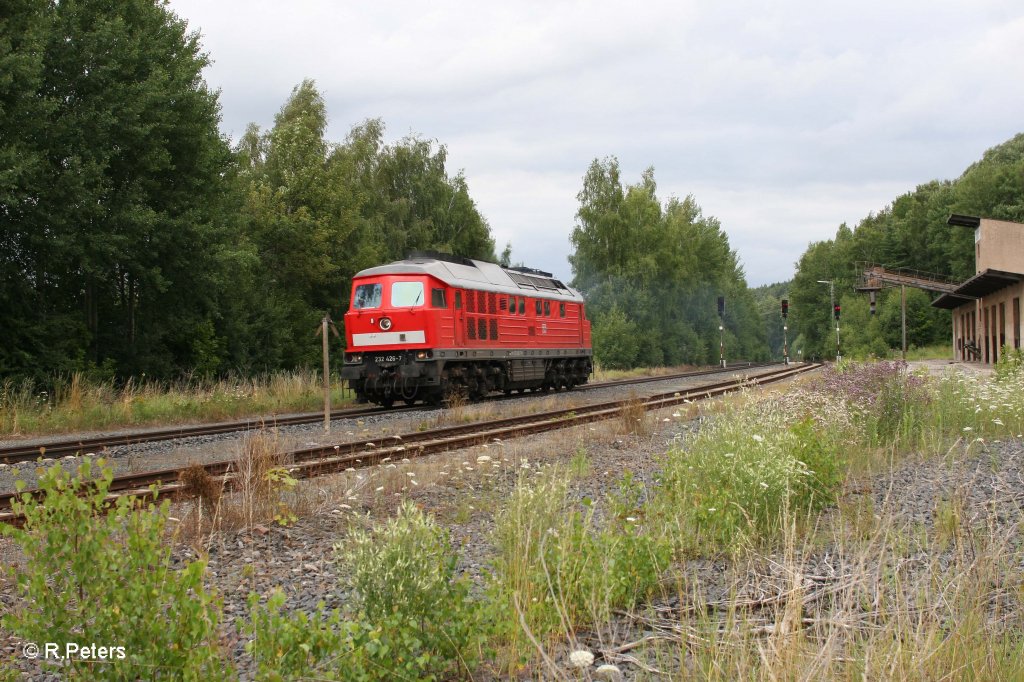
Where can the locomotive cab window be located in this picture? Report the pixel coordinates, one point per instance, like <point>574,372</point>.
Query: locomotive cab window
<point>406,294</point>
<point>561,310</point>
<point>437,298</point>
<point>547,308</point>
<point>367,296</point>
<point>538,306</point>
<point>458,300</point>
<point>522,306</point>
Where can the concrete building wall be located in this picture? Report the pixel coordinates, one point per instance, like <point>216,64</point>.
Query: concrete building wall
<point>988,324</point>
<point>999,245</point>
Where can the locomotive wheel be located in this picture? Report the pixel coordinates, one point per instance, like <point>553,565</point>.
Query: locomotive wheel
<point>409,401</point>
<point>388,402</point>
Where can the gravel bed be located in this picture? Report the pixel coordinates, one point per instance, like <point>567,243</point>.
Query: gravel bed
<point>174,453</point>
<point>462,489</point>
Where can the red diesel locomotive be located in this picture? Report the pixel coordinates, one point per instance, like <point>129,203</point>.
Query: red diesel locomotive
<point>433,325</point>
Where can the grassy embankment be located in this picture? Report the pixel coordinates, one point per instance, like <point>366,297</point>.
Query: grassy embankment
<point>818,573</point>
<point>78,404</point>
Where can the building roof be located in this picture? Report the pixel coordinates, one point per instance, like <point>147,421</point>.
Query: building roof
<point>475,274</point>
<point>958,220</point>
<point>984,283</point>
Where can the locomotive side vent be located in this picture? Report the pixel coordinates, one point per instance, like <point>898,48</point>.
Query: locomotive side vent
<point>492,304</point>
<point>494,330</point>
<point>481,301</point>
<point>470,302</point>
<point>471,329</point>
<point>482,328</point>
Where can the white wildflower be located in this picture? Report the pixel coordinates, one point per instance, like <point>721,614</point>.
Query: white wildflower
<point>581,658</point>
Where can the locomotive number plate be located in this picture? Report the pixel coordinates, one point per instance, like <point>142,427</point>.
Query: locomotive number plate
<point>387,358</point>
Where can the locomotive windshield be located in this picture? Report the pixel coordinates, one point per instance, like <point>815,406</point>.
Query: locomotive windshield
<point>367,296</point>
<point>406,294</point>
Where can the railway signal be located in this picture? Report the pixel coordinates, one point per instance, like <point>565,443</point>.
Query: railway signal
<point>785,330</point>
<point>835,311</point>
<point>721,330</point>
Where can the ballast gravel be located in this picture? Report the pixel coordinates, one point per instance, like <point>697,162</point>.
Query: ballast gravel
<point>168,454</point>
<point>464,489</point>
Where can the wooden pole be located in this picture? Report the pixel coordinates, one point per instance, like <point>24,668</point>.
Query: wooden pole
<point>903,314</point>
<point>327,378</point>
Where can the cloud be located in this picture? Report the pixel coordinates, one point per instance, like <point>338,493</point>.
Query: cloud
<point>784,119</point>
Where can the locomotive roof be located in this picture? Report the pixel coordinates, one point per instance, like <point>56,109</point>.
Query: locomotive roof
<point>477,274</point>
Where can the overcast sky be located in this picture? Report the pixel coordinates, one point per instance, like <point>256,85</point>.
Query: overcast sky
<point>784,118</point>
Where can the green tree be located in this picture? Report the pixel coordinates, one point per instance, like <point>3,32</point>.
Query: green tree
<point>110,209</point>
<point>655,271</point>
<point>912,232</point>
<point>315,212</point>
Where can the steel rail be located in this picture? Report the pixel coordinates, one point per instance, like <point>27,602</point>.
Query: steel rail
<point>31,452</point>
<point>331,458</point>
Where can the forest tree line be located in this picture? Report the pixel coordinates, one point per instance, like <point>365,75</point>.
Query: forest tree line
<point>135,239</point>
<point>911,232</point>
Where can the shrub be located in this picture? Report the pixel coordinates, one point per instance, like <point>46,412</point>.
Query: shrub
<point>404,577</point>
<point>889,400</point>
<point>107,579</point>
<point>1011,360</point>
<point>324,646</point>
<point>558,568</point>
<point>615,340</point>
<point>740,475</point>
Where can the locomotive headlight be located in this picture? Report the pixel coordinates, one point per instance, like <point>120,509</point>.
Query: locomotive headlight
<point>385,323</point>
<point>353,357</point>
<point>424,354</point>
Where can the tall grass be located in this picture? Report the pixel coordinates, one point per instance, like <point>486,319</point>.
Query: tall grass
<point>813,581</point>
<point>78,403</point>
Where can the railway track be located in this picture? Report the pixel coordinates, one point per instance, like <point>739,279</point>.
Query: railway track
<point>332,458</point>
<point>31,452</point>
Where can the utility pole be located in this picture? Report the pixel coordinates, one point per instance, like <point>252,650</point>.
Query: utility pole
<point>327,376</point>
<point>835,310</point>
<point>903,315</point>
<point>326,323</point>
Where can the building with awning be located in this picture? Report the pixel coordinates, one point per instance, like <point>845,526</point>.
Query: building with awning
<point>986,307</point>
